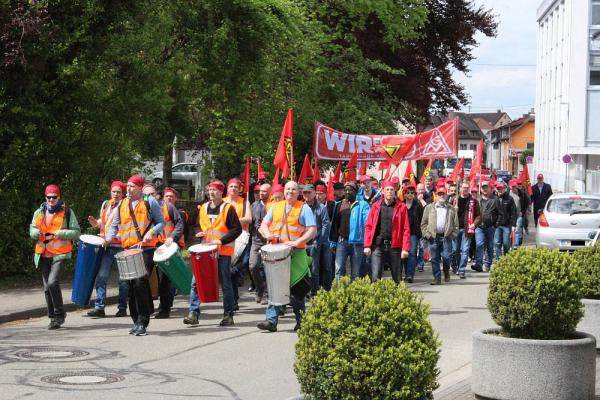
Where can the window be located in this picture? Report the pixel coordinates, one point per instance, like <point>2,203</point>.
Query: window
<point>595,77</point>
<point>596,13</point>
<point>472,147</point>
<point>495,146</point>
<point>529,146</point>
<point>463,146</point>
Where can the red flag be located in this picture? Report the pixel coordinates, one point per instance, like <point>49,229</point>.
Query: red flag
<point>456,172</point>
<point>260,171</point>
<point>276,178</point>
<point>350,173</point>
<point>330,196</point>
<point>427,171</point>
<point>526,179</point>
<point>363,168</point>
<point>306,173</point>
<point>409,174</point>
<point>477,163</point>
<point>338,172</point>
<point>284,158</point>
<point>493,179</point>
<point>246,178</point>
<point>316,172</point>
<point>395,148</point>
<point>387,174</point>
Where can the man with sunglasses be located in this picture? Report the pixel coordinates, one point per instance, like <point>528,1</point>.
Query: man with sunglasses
<point>138,222</point>
<point>108,210</point>
<point>54,227</point>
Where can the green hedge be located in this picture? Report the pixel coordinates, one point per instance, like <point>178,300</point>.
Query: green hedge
<point>535,294</point>
<point>367,341</point>
<point>588,261</point>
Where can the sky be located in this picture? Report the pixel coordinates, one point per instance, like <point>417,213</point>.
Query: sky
<point>503,72</point>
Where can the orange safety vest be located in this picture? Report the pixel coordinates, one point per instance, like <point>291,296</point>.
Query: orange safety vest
<point>55,246</point>
<point>169,228</point>
<point>292,230</point>
<point>238,205</point>
<point>107,215</point>
<point>216,229</point>
<point>127,233</point>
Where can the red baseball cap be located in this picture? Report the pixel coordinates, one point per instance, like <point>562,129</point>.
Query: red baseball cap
<point>365,178</point>
<point>410,186</point>
<point>136,180</point>
<point>512,183</point>
<point>395,180</point>
<point>387,184</point>
<point>277,188</point>
<point>52,189</point>
<point>500,184</point>
<point>441,188</point>
<point>321,189</point>
<point>262,175</point>
<point>118,184</point>
<point>540,176</point>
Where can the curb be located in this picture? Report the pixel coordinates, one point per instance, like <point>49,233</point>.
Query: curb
<point>43,311</point>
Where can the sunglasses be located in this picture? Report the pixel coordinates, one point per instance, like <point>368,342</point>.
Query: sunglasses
<point>52,197</point>
<point>410,193</point>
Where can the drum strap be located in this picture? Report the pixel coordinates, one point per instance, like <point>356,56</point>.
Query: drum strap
<point>135,224</point>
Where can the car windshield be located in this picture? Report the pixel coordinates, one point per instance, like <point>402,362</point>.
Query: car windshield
<point>574,205</point>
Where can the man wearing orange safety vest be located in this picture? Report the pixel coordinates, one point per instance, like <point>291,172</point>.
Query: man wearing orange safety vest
<point>54,227</point>
<point>137,223</point>
<point>172,232</point>
<point>108,210</point>
<point>293,223</point>
<point>242,209</point>
<point>220,225</point>
<point>258,209</point>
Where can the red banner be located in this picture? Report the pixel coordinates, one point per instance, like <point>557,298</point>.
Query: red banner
<point>439,142</point>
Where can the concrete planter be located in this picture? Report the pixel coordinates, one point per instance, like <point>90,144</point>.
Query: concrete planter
<point>590,323</point>
<point>507,368</point>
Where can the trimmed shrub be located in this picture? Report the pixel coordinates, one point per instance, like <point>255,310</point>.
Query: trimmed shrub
<point>535,294</point>
<point>367,341</point>
<point>588,262</point>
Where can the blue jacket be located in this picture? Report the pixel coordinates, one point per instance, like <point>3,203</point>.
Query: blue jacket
<point>359,212</point>
<point>375,195</point>
<point>320,211</point>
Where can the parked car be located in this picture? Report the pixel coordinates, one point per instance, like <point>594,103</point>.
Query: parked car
<point>181,172</point>
<point>569,221</point>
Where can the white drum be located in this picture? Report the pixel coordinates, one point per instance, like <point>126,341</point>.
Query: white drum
<point>163,253</point>
<point>240,245</point>
<point>92,240</point>
<point>131,264</point>
<point>277,261</point>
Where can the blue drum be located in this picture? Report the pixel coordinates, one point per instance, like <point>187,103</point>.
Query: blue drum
<point>89,255</point>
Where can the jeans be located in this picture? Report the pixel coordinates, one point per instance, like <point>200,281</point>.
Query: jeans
<point>365,267</point>
<point>226,287</point>
<point>51,277</point>
<point>321,262</point>
<point>463,245</point>
<point>237,271</point>
<point>411,262</point>
<point>453,254</point>
<point>519,232</point>
<point>440,247</point>
<point>382,254</point>
<point>140,297</point>
<point>502,240</point>
<point>343,251</point>
<point>255,264</point>
<point>108,260</point>
<point>484,240</point>
<point>420,251</point>
<point>298,305</point>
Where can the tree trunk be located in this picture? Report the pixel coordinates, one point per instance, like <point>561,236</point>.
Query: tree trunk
<point>168,167</point>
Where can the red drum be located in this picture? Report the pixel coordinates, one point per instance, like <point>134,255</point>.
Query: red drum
<point>206,271</point>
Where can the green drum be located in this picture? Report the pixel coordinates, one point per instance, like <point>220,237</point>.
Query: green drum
<point>172,264</point>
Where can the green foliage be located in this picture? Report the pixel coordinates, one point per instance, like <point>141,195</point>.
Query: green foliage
<point>523,156</point>
<point>367,341</point>
<point>588,262</point>
<point>535,294</point>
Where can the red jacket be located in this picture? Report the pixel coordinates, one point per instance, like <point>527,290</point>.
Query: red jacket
<point>400,226</point>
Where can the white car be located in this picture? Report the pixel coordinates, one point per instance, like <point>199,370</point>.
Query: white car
<point>181,172</point>
<point>569,221</point>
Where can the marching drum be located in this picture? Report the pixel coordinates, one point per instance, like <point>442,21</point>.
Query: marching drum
<point>172,264</point>
<point>277,262</point>
<point>240,245</point>
<point>206,271</point>
<point>89,255</point>
<point>131,264</point>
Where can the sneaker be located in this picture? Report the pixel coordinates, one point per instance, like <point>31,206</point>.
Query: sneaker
<point>281,311</point>
<point>60,321</point>
<point>463,276</point>
<point>53,325</point>
<point>251,288</point>
<point>132,330</point>
<point>264,302</point>
<point>227,320</point>
<point>121,313</point>
<point>409,280</point>
<point>436,282</point>
<point>421,269</point>
<point>236,307</point>
<point>297,326</point>
<point>162,315</point>
<point>258,298</point>
<point>487,269</point>
<point>96,313</point>
<point>191,319</point>
<point>476,268</point>
<point>267,326</point>
<point>446,276</point>
<point>141,331</point>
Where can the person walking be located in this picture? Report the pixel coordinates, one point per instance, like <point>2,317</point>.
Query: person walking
<point>541,193</point>
<point>415,215</point>
<point>258,210</point>
<point>316,246</point>
<point>484,233</point>
<point>54,227</point>
<point>439,226</point>
<point>507,221</point>
<point>469,217</point>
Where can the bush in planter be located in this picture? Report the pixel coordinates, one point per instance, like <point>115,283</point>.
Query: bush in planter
<point>588,260</point>
<point>535,294</point>
<point>367,341</point>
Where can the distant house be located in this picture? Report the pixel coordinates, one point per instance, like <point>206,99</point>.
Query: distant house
<point>469,133</point>
<point>512,139</point>
<point>487,122</point>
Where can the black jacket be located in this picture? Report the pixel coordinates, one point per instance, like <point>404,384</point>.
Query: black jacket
<point>489,212</point>
<point>415,215</point>
<point>507,211</point>
<point>540,198</point>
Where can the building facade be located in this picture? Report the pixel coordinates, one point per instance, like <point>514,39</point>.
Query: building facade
<point>568,94</point>
<point>511,140</point>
